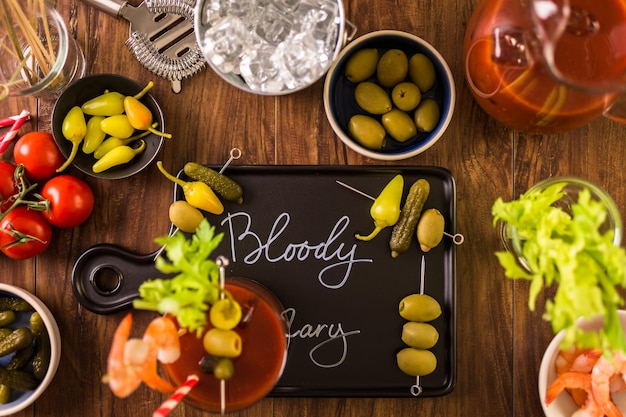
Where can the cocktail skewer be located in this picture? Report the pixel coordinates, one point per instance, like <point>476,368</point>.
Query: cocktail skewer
<point>457,238</point>
<point>222,263</point>
<point>235,153</point>
<point>416,389</point>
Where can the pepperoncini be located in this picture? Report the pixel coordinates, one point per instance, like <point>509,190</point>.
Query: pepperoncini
<point>108,104</point>
<point>386,207</point>
<point>117,156</point>
<point>197,193</point>
<point>74,129</point>
<point>118,126</point>
<point>113,142</point>
<point>94,135</point>
<point>140,116</point>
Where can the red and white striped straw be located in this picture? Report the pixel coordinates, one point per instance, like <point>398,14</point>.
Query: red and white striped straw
<point>175,399</point>
<point>10,135</point>
<point>8,121</point>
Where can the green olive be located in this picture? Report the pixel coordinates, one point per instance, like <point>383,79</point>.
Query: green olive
<point>367,131</point>
<point>372,98</point>
<point>430,229</point>
<point>419,335</point>
<point>406,96</point>
<point>185,216</point>
<point>223,343</point>
<point>392,68</point>
<point>427,115</point>
<point>419,307</point>
<point>416,362</point>
<point>362,65</point>
<point>224,369</point>
<point>225,314</point>
<point>399,125</point>
<point>422,72</point>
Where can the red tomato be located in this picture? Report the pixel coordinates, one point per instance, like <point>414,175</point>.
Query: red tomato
<point>8,187</point>
<point>71,200</point>
<point>39,154</point>
<point>24,233</point>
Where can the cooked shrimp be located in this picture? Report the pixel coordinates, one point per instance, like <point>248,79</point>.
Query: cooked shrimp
<point>586,361</point>
<point>604,371</point>
<point>132,361</point>
<point>579,360</point>
<point>123,376</point>
<point>162,334</point>
<point>581,380</point>
<point>566,358</point>
<point>162,338</point>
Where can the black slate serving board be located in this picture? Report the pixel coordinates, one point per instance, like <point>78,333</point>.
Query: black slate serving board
<point>294,233</point>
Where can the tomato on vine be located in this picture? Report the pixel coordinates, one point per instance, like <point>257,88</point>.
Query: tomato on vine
<point>24,233</point>
<point>8,186</point>
<point>71,200</point>
<point>39,154</point>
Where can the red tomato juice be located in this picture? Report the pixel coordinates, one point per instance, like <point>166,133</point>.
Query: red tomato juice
<point>260,364</point>
<point>529,98</point>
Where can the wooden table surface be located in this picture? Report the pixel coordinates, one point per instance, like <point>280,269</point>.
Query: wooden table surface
<point>499,342</point>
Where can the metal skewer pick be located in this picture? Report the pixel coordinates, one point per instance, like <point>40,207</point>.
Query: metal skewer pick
<point>222,263</point>
<point>457,238</point>
<point>416,389</point>
<point>235,153</point>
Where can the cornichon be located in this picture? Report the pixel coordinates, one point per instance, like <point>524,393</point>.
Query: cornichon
<point>18,380</point>
<point>7,317</point>
<point>41,359</point>
<point>405,228</point>
<point>14,304</point>
<point>5,394</point>
<point>226,187</point>
<point>18,339</point>
<point>21,358</point>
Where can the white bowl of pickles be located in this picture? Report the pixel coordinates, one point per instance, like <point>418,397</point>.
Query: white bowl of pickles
<point>30,349</point>
<point>389,95</point>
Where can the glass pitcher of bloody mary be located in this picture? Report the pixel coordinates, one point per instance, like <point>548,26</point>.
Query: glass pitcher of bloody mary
<point>548,66</point>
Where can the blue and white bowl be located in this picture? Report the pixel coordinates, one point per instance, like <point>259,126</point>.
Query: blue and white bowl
<point>340,104</point>
<point>22,399</point>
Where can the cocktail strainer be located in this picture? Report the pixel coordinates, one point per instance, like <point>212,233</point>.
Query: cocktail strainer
<point>161,36</point>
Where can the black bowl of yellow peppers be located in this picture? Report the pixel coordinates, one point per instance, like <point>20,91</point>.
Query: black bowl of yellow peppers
<point>108,126</point>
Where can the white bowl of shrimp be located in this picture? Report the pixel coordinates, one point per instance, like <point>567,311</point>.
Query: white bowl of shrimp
<point>582,381</point>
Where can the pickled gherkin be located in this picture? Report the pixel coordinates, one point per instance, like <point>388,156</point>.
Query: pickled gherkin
<point>14,304</point>
<point>224,186</point>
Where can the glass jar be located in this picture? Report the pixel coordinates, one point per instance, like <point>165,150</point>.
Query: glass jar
<point>572,188</point>
<point>39,56</point>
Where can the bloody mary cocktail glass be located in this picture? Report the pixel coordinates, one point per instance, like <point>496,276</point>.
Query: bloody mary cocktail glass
<point>256,371</point>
